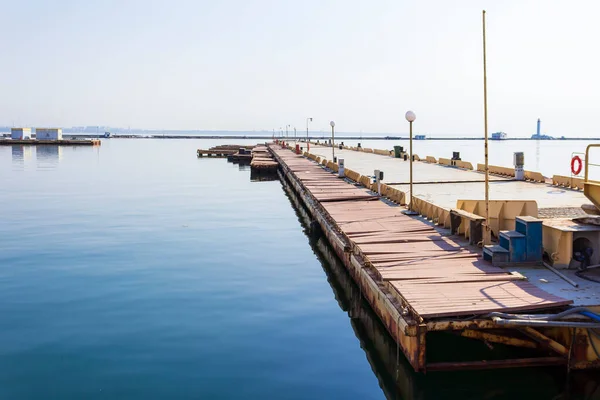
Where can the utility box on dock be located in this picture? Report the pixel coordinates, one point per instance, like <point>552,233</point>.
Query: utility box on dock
<point>341,171</point>
<point>378,177</point>
<point>398,151</point>
<point>20,133</point>
<point>519,162</point>
<point>48,133</point>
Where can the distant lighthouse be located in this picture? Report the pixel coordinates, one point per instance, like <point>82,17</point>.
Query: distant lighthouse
<point>538,134</point>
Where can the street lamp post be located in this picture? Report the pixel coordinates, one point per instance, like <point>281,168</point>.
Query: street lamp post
<point>410,117</point>
<point>307,120</point>
<point>332,141</point>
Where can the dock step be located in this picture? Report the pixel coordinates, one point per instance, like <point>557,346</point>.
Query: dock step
<point>495,254</point>
<point>531,227</point>
<point>516,244</point>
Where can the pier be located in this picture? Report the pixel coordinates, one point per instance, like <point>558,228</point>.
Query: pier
<point>419,278</point>
<point>258,157</point>
<point>262,160</point>
<point>231,151</point>
<point>441,183</point>
<point>443,186</point>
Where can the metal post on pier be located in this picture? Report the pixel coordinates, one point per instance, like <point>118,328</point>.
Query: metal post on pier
<point>307,144</point>
<point>410,117</point>
<point>486,231</point>
<point>332,141</point>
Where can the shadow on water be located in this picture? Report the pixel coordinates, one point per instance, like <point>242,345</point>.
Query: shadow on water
<point>396,376</point>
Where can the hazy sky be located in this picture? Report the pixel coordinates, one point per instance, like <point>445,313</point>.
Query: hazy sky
<point>254,65</point>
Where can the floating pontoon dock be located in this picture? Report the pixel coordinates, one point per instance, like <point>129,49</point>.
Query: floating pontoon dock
<point>262,165</point>
<point>422,281</point>
<point>444,184</point>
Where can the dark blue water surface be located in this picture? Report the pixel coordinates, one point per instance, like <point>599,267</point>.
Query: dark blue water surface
<point>135,270</point>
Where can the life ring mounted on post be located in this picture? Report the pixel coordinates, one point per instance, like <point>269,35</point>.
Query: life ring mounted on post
<point>576,165</point>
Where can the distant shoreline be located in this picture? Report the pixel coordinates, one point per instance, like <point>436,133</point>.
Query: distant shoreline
<point>338,138</point>
<point>321,138</point>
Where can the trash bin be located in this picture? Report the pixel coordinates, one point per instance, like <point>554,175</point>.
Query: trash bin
<point>397,151</point>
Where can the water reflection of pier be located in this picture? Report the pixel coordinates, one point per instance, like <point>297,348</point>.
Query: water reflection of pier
<point>49,154</point>
<point>20,153</point>
<point>397,378</point>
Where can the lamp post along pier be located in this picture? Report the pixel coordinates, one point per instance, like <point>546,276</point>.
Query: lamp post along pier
<point>410,117</point>
<point>332,141</point>
<point>309,119</point>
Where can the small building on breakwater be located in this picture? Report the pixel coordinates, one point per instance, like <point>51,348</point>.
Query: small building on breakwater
<point>48,133</point>
<point>20,133</point>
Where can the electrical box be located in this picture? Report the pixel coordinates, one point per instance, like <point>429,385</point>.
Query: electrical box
<point>341,170</point>
<point>519,159</point>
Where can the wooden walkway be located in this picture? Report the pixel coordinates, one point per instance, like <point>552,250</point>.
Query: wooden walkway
<point>262,159</point>
<point>432,273</point>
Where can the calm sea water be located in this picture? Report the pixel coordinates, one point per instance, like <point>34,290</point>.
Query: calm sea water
<point>134,270</point>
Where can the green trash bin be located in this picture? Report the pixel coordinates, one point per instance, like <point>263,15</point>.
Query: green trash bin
<point>397,151</point>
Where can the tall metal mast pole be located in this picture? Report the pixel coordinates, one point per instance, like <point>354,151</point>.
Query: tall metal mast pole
<point>486,236</point>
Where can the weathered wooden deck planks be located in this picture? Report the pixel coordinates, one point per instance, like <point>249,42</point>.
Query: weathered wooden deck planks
<point>433,273</point>
<point>262,159</point>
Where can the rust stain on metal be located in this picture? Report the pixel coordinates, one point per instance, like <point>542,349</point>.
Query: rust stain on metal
<point>546,341</point>
<point>497,338</point>
<point>484,364</point>
<point>453,325</point>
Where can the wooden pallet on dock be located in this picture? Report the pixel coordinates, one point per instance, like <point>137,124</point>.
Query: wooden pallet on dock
<point>214,153</point>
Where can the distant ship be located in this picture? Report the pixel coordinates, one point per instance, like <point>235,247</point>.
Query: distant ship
<point>499,136</point>
<point>538,135</point>
<point>419,137</point>
<point>107,134</point>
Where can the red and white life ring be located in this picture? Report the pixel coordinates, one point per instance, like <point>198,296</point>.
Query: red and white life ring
<point>576,165</point>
